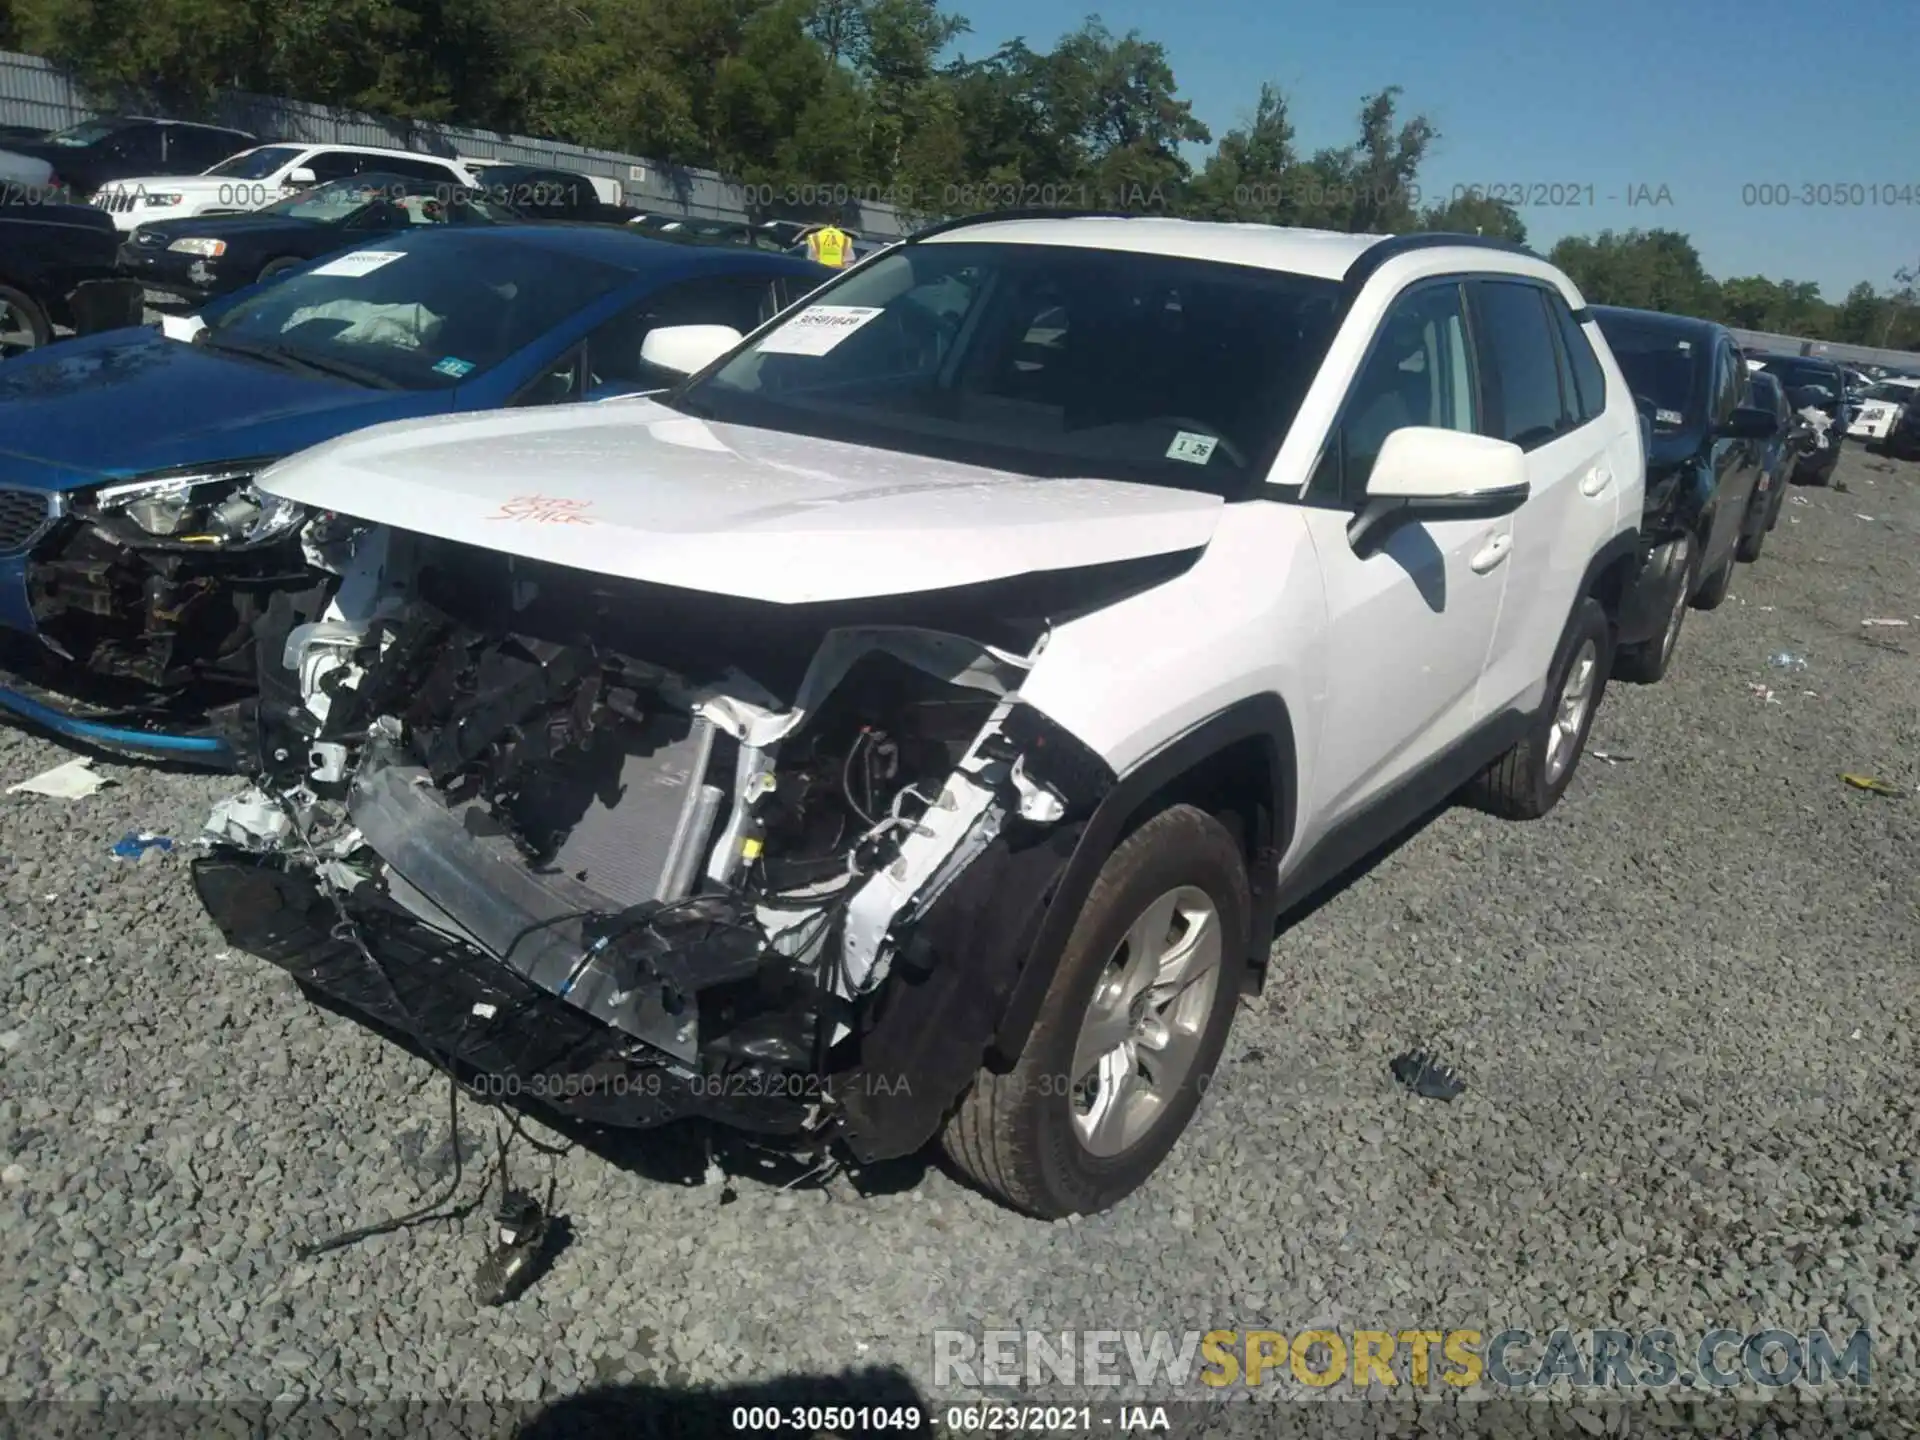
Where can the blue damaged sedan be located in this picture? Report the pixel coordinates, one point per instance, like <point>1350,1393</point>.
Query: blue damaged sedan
<point>135,555</point>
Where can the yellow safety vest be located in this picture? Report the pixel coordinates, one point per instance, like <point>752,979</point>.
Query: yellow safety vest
<point>830,246</point>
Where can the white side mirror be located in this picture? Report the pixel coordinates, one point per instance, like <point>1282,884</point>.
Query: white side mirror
<point>1422,463</point>
<point>685,349</point>
<point>301,177</point>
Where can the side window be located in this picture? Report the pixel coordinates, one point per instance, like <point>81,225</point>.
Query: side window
<point>333,165</point>
<point>1726,390</point>
<point>424,170</point>
<point>562,381</point>
<point>1523,360</point>
<point>1421,372</point>
<point>139,144</point>
<point>1589,380</point>
<point>613,350</point>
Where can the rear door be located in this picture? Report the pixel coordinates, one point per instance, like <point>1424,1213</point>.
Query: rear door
<point>1536,358</point>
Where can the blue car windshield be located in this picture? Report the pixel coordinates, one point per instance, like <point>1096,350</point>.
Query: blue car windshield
<point>416,312</point>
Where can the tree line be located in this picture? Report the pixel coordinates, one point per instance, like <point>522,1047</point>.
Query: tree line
<point>807,103</point>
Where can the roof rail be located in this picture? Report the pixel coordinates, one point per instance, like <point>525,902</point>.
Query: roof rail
<point>1394,246</point>
<point>988,217</point>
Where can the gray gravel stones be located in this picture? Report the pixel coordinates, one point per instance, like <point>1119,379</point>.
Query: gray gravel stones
<point>1684,1004</point>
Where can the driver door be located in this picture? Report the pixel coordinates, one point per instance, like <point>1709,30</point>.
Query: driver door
<point>1411,622</point>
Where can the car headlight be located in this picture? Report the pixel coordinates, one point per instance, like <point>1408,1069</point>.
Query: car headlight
<point>193,245</point>
<point>165,200</point>
<point>203,510</point>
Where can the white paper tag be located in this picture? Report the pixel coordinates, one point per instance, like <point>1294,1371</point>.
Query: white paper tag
<point>1192,448</point>
<point>360,262</point>
<point>1668,417</point>
<point>817,329</point>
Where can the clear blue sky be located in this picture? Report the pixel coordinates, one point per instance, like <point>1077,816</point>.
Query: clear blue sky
<point>1702,96</point>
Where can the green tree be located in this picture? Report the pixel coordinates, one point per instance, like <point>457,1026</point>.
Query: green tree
<point>1469,214</point>
<point>1643,269</point>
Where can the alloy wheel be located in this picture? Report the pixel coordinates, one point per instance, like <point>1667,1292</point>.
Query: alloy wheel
<point>1145,1024</point>
<point>1570,712</point>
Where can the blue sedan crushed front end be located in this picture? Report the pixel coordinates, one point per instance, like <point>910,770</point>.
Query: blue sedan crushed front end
<point>133,646</point>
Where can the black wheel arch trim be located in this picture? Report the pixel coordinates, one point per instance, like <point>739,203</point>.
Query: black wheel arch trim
<point>1263,719</point>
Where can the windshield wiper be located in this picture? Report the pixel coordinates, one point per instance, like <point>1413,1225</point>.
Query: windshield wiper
<point>290,360</point>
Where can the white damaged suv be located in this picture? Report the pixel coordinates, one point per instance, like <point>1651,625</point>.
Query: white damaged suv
<point>913,724</point>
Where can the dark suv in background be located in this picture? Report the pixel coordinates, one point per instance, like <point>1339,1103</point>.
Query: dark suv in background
<point>84,157</point>
<point>1812,383</point>
<point>1706,453</point>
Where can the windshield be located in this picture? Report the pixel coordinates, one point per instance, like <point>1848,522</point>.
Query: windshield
<point>1898,394</point>
<point>417,311</point>
<point>256,164</point>
<point>1042,360</point>
<point>87,132</point>
<point>1662,370</point>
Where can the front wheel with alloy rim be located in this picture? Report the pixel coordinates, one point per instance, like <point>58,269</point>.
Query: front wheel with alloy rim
<point>1646,664</point>
<point>23,324</point>
<point>1130,1030</point>
<point>1528,781</point>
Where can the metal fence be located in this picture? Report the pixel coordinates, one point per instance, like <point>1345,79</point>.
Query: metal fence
<point>33,92</point>
<point>1828,349</point>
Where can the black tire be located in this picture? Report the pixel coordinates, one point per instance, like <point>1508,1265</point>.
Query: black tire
<point>1518,786</point>
<point>1013,1134</point>
<point>1648,663</point>
<point>278,267</point>
<point>1750,546</point>
<point>1713,591</point>
<point>28,309</point>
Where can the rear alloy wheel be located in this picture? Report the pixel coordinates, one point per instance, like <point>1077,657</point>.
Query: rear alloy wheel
<point>1646,664</point>
<point>1129,1032</point>
<point>23,324</point>
<point>1529,779</point>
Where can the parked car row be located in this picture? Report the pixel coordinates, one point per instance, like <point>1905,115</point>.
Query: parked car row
<point>909,717</point>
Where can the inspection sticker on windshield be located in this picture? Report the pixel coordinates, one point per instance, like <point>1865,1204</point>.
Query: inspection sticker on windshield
<point>1194,449</point>
<point>817,329</point>
<point>1668,417</point>
<point>454,366</point>
<point>360,262</point>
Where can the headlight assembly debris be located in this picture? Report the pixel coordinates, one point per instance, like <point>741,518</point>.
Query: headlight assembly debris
<point>218,509</point>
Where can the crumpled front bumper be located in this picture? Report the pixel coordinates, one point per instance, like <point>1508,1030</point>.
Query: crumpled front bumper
<point>113,646</point>
<point>520,1042</point>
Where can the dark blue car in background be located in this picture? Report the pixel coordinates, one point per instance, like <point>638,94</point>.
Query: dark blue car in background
<point>135,556</point>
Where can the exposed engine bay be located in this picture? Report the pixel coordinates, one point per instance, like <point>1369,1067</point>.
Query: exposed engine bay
<point>524,813</point>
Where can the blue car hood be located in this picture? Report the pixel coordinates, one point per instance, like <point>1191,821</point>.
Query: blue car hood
<point>131,401</point>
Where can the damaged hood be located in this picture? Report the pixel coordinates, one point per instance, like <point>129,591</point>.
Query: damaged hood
<point>173,404</point>
<point>641,492</point>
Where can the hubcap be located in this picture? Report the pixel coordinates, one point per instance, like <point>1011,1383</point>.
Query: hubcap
<point>1143,1029</point>
<point>1570,715</point>
<point>16,331</point>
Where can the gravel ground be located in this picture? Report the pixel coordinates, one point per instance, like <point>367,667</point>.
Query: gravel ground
<point>1684,1004</point>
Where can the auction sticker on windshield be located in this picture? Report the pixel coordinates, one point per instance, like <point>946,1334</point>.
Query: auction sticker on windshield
<point>817,329</point>
<point>360,262</point>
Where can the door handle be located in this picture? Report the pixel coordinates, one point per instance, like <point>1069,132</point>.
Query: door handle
<point>1495,552</point>
<point>1597,479</point>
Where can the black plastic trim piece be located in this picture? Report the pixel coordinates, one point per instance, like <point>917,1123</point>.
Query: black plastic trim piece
<point>1261,717</point>
<point>1394,246</point>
